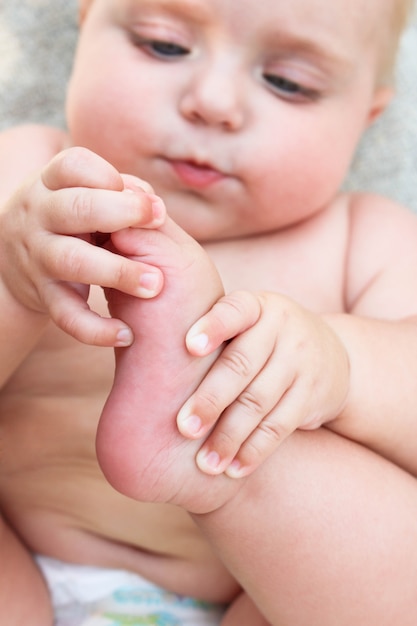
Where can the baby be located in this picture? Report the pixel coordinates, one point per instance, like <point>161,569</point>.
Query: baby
<point>258,441</point>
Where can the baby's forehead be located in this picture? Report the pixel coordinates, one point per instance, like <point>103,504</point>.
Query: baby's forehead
<point>356,19</point>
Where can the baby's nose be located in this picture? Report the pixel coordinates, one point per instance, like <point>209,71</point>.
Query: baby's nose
<point>214,97</point>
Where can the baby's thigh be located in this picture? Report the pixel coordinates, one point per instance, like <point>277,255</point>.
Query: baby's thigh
<point>24,598</point>
<point>243,611</point>
<point>329,522</point>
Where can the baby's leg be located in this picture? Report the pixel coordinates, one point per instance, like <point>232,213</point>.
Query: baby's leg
<point>324,533</point>
<point>243,611</point>
<point>138,443</point>
<point>24,598</point>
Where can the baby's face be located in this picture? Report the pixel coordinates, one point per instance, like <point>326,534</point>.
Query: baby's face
<point>244,116</point>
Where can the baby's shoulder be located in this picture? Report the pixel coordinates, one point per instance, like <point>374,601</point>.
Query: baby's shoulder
<point>382,246</point>
<point>376,221</point>
<point>25,149</point>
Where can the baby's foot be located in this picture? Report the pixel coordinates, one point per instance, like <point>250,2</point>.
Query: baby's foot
<point>139,447</point>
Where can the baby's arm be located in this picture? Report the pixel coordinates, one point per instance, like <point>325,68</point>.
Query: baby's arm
<point>284,368</point>
<point>47,256</point>
<point>380,333</point>
<point>350,371</point>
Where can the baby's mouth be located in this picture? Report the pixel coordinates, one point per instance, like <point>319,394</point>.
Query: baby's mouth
<point>196,175</point>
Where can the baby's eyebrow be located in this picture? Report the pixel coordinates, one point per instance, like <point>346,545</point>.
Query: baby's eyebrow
<point>330,55</point>
<point>196,10</point>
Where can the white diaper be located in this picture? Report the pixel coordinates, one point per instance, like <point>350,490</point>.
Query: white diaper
<point>94,596</point>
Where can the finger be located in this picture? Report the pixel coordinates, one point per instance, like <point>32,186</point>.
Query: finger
<point>234,369</point>
<point>74,260</point>
<point>70,312</point>
<point>231,315</point>
<point>134,183</point>
<point>80,167</point>
<point>241,419</point>
<point>78,211</point>
<point>270,433</point>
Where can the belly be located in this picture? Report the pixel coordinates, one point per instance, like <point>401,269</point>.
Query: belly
<point>53,493</point>
<point>52,490</point>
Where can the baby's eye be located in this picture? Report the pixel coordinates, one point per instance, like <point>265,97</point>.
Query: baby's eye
<point>168,49</point>
<point>161,49</point>
<point>288,88</point>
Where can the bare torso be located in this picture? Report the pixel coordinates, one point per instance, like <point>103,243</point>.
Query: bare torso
<point>51,487</point>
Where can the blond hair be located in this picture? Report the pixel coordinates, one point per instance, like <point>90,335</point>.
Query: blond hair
<point>398,18</point>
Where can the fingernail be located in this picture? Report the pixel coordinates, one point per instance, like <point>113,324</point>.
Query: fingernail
<point>235,469</point>
<point>149,284</point>
<point>191,424</point>
<point>124,338</point>
<point>208,461</point>
<point>158,208</point>
<point>198,342</point>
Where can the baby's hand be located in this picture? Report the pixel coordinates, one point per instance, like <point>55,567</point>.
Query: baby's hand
<point>47,230</point>
<point>283,369</point>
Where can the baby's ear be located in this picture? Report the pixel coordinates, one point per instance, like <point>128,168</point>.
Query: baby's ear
<point>83,6</point>
<point>381,99</point>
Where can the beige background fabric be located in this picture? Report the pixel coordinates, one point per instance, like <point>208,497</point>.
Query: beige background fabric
<point>37,40</point>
